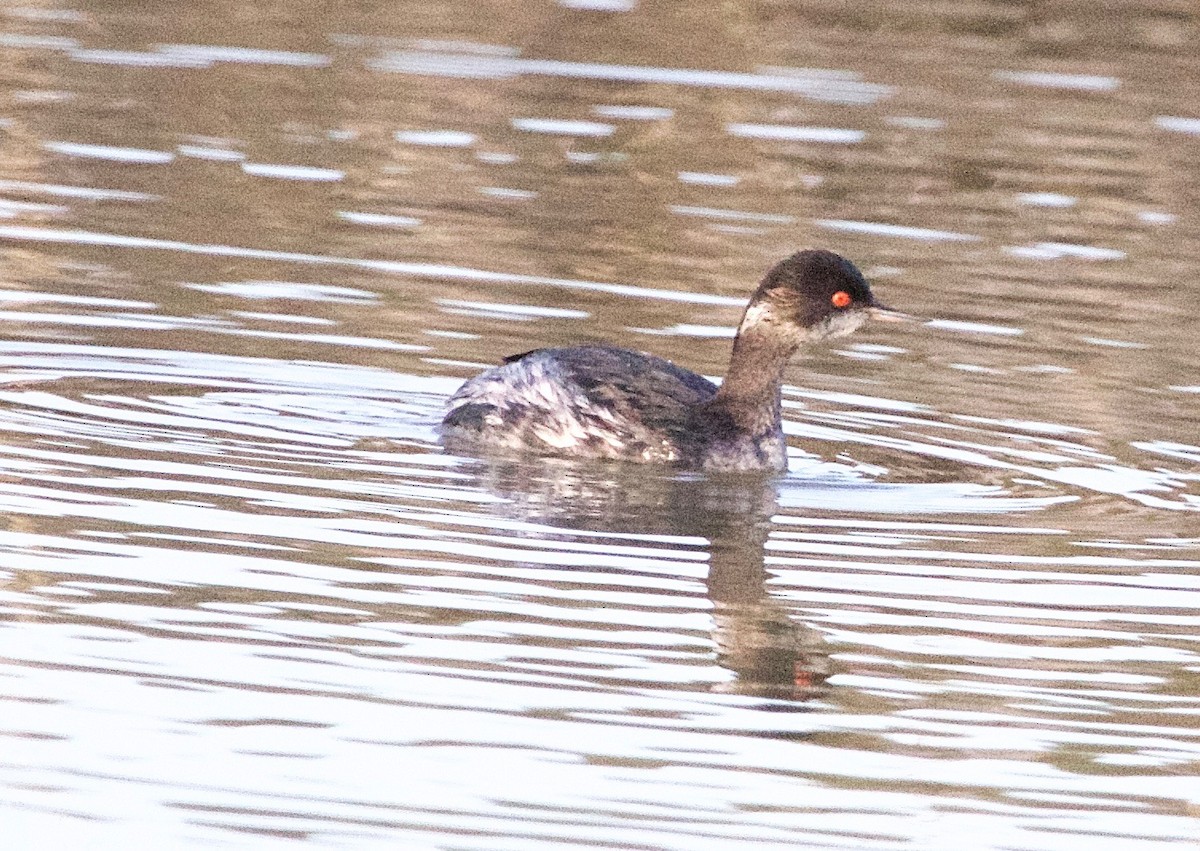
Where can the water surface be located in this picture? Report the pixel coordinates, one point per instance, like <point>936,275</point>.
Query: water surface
<point>247,601</point>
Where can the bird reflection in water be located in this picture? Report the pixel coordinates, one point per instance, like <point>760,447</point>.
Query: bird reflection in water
<point>770,653</point>
<point>757,640</point>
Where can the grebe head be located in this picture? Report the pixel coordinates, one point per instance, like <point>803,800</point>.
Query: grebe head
<point>812,295</point>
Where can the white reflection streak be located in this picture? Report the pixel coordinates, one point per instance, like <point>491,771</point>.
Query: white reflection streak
<point>1050,80</point>
<point>737,215</point>
<point>89,192</point>
<point>243,55</point>
<point>838,87</point>
<point>138,59</point>
<point>899,231</point>
<point>563,126</point>
<point>284,171</point>
<point>13,209</point>
<point>1058,250</point>
<point>395,267</point>
<point>1178,124</point>
<point>790,133</point>
<point>110,152</point>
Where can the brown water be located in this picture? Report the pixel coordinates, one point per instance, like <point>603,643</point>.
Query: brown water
<point>249,249</point>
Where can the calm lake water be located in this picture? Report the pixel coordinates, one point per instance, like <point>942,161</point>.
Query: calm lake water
<point>248,250</point>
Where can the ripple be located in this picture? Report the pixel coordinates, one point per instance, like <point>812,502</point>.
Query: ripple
<point>436,138</point>
<point>775,132</point>
<point>699,178</point>
<point>281,171</point>
<point>733,215</point>
<point>215,154</point>
<point>1178,124</point>
<point>382,220</point>
<point>244,55</point>
<point>520,312</point>
<point>1058,250</point>
<point>139,59</point>
<point>837,87</point>
<point>1047,199</point>
<point>91,193</point>
<point>563,127</point>
<point>899,231</point>
<point>246,598</point>
<point>974,327</point>
<point>287,290</point>
<point>82,237</point>
<point>634,113</point>
<point>110,152</point>
<point>1051,80</point>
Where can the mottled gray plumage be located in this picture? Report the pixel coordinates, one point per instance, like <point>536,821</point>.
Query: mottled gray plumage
<point>601,401</point>
<point>590,401</point>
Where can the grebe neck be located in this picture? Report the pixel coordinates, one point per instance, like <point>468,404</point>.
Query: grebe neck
<point>751,394</point>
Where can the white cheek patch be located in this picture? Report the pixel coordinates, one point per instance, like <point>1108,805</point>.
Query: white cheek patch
<point>764,316</point>
<point>840,324</point>
<point>756,314</point>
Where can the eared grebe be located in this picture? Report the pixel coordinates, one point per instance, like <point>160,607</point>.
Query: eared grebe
<point>601,401</point>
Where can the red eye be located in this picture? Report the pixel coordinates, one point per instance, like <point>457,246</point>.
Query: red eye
<point>841,299</point>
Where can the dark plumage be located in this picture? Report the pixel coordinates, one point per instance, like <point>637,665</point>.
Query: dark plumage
<point>601,401</point>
